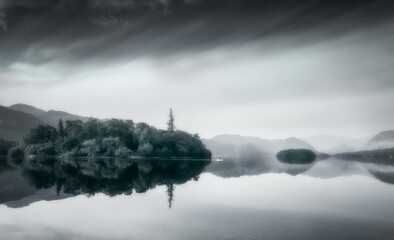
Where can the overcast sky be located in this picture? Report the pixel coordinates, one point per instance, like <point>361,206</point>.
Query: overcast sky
<point>272,69</point>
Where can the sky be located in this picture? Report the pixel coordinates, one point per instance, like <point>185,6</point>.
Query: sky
<point>272,69</point>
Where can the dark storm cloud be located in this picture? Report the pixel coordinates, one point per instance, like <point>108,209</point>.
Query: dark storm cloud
<point>3,26</point>
<point>260,67</point>
<point>40,31</point>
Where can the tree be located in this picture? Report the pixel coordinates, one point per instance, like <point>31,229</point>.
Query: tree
<point>61,129</point>
<point>171,122</point>
<point>5,146</point>
<point>73,127</point>
<point>41,134</point>
<point>92,129</point>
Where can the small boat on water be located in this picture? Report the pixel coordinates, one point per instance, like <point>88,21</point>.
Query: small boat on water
<point>219,159</point>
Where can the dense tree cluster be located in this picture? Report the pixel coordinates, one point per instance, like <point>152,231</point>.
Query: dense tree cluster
<point>112,138</point>
<point>296,156</point>
<point>5,146</point>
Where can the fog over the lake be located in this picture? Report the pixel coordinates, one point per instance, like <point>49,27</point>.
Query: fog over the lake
<point>264,68</point>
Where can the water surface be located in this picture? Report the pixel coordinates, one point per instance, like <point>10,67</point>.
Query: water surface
<point>195,199</point>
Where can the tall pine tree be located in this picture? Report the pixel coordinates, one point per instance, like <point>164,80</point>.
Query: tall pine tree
<point>62,133</point>
<point>171,122</point>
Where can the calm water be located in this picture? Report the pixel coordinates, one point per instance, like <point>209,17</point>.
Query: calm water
<point>194,199</point>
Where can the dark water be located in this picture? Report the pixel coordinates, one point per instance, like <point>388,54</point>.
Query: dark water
<point>195,199</point>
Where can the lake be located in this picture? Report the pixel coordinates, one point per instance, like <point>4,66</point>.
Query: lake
<point>195,199</point>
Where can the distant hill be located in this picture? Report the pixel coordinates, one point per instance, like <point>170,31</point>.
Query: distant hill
<point>239,146</point>
<point>334,144</point>
<point>50,117</point>
<point>15,124</point>
<point>381,140</point>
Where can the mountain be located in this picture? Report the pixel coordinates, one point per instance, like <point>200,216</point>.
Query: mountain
<point>334,144</point>
<point>239,146</point>
<point>15,124</point>
<point>381,140</point>
<point>50,117</point>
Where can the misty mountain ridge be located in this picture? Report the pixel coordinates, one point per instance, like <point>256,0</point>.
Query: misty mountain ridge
<point>50,117</point>
<point>381,140</point>
<point>15,124</point>
<point>18,119</point>
<point>232,145</point>
<point>336,144</point>
<point>239,146</point>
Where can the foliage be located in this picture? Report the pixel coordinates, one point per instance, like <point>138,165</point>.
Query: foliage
<point>61,130</point>
<point>41,134</point>
<point>69,143</point>
<point>123,152</point>
<point>109,145</point>
<point>161,143</point>
<point>73,128</point>
<point>5,146</point>
<point>41,149</point>
<point>90,148</point>
<point>112,138</point>
<point>296,156</point>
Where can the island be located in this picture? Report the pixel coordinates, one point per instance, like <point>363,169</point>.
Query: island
<point>110,138</point>
<point>296,156</point>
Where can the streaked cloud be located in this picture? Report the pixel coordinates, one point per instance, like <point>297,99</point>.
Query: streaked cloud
<point>266,68</point>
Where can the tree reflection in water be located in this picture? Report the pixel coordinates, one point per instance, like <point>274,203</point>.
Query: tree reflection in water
<point>111,176</point>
